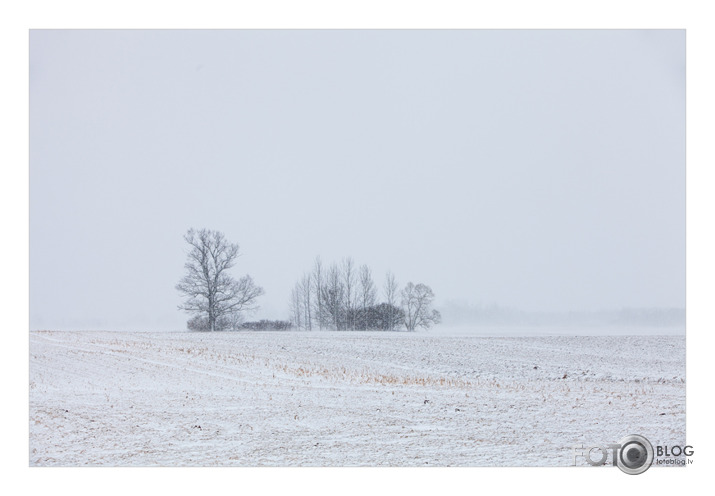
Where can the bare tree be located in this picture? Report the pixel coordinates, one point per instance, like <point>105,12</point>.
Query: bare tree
<point>350,293</point>
<point>209,290</point>
<point>416,302</point>
<point>300,303</point>
<point>390,291</point>
<point>317,290</point>
<point>305,292</point>
<point>296,307</point>
<point>367,292</point>
<point>366,295</point>
<point>333,296</point>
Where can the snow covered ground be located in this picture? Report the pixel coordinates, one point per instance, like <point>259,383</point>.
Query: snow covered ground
<point>327,399</point>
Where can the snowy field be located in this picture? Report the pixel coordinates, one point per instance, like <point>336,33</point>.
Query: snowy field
<point>337,399</point>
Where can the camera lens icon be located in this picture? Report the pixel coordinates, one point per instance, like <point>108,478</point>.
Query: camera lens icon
<point>635,455</point>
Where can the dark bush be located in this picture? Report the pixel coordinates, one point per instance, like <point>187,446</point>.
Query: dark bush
<point>382,317</point>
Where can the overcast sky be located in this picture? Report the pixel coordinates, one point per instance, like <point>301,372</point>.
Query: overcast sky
<point>543,170</point>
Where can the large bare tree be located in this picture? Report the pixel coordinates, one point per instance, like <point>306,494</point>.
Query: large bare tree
<point>416,303</point>
<point>211,294</point>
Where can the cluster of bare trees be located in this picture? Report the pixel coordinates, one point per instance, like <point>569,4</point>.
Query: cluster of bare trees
<point>339,297</point>
<point>345,297</point>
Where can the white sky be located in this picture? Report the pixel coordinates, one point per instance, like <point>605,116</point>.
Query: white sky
<point>543,170</point>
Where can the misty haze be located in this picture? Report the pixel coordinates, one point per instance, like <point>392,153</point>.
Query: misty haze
<point>421,241</point>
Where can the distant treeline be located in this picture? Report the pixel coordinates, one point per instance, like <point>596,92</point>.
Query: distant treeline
<point>461,314</point>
